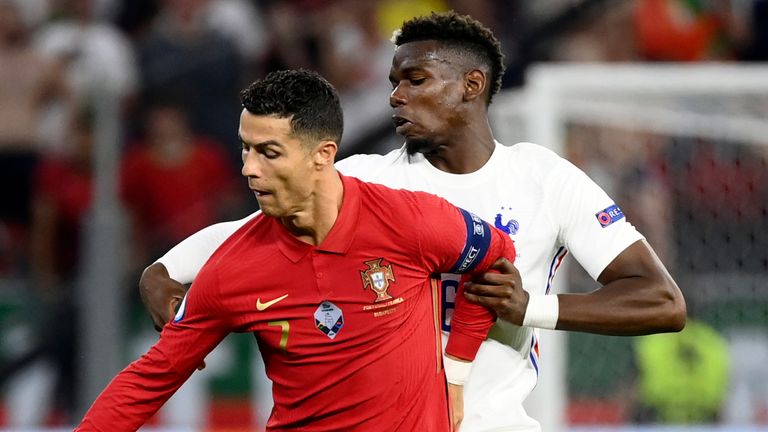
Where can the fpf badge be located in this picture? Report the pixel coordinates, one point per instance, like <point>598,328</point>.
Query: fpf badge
<point>378,277</point>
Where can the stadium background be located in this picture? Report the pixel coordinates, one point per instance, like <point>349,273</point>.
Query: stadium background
<point>108,107</point>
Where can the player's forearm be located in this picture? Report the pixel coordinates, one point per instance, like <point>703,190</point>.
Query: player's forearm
<point>469,328</point>
<point>185,260</point>
<point>638,297</point>
<point>628,306</point>
<point>471,322</point>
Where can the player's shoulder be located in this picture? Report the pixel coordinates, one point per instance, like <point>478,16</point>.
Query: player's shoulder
<point>251,228</point>
<point>532,155</point>
<point>370,166</point>
<point>397,201</point>
<point>254,222</point>
<point>529,165</point>
<point>252,242</point>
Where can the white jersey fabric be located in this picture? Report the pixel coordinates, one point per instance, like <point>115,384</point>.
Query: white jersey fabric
<point>549,208</point>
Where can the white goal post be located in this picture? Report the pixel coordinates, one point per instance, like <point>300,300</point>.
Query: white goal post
<point>718,101</point>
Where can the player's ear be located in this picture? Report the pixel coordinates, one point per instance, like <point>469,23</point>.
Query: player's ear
<point>325,153</point>
<point>474,84</point>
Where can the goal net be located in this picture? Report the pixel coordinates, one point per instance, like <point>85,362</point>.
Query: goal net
<point>683,150</point>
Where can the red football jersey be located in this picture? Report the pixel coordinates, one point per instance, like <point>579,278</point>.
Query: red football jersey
<point>349,330</point>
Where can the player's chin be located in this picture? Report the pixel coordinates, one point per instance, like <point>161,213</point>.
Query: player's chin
<point>270,211</point>
<point>267,206</point>
<point>415,145</point>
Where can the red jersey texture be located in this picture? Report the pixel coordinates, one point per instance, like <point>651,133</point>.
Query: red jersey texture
<point>349,330</point>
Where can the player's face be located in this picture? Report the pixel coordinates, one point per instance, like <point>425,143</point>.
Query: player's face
<point>277,164</point>
<point>427,91</point>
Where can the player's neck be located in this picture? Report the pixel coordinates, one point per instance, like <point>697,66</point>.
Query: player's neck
<point>464,152</point>
<point>314,221</point>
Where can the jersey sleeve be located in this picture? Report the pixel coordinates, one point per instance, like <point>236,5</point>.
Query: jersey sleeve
<point>590,224</point>
<point>137,392</point>
<point>185,260</point>
<point>366,167</point>
<point>454,240</point>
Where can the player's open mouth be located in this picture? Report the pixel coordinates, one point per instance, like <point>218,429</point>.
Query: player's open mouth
<point>400,123</point>
<point>259,193</point>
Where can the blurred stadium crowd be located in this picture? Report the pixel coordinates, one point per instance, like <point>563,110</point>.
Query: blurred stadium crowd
<point>176,67</point>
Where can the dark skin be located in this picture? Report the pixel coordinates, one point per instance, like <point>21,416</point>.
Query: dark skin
<point>637,297</point>
<point>160,294</point>
<point>440,108</point>
<point>444,104</point>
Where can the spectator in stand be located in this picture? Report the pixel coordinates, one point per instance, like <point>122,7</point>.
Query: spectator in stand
<point>63,187</point>
<point>183,59</point>
<point>95,56</point>
<point>677,30</point>
<point>28,83</point>
<point>174,182</point>
<point>242,22</point>
<point>682,377</point>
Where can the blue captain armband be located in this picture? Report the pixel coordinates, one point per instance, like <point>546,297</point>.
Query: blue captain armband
<point>477,244</point>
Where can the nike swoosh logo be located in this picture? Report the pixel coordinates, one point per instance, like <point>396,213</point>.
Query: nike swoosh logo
<point>261,306</point>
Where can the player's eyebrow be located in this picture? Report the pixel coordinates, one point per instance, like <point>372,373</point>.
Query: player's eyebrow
<point>405,72</point>
<point>258,144</point>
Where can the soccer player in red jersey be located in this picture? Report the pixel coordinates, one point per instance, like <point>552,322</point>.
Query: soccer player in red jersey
<point>337,279</point>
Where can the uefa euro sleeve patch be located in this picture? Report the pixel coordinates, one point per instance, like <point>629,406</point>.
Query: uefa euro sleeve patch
<point>329,319</point>
<point>609,215</point>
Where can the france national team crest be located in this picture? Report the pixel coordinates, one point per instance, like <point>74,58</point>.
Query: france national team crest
<point>378,278</point>
<point>609,215</point>
<point>506,224</point>
<point>329,319</point>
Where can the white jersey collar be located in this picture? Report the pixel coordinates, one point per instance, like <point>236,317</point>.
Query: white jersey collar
<point>459,180</point>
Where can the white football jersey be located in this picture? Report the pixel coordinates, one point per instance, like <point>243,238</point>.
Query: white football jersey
<point>549,208</point>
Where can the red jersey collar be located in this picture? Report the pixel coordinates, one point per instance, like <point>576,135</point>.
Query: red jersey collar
<point>341,235</point>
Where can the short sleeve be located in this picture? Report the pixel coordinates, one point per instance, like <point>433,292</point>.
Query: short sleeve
<point>590,224</point>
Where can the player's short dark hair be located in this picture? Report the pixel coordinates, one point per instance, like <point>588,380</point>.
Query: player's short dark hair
<point>461,32</point>
<point>310,101</point>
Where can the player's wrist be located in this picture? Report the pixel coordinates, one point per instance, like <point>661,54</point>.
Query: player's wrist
<point>542,312</point>
<point>456,371</point>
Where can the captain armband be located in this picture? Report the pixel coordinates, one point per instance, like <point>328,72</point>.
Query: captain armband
<point>542,312</point>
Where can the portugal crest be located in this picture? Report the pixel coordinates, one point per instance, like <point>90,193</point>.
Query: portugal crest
<point>378,277</point>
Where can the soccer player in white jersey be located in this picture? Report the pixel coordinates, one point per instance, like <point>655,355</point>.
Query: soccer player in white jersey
<point>445,71</point>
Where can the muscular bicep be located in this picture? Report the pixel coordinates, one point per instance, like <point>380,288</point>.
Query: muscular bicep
<point>639,261</point>
<point>638,296</point>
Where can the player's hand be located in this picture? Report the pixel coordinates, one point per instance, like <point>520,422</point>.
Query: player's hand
<point>160,294</point>
<point>503,291</point>
<point>456,401</point>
